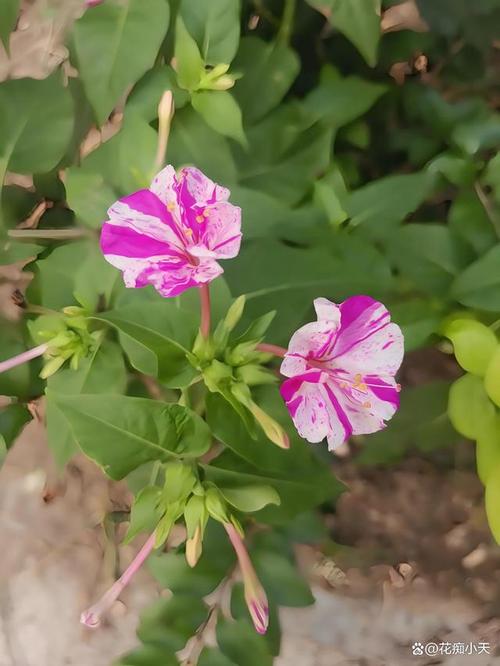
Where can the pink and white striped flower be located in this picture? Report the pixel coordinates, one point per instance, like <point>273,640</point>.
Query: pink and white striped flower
<point>172,234</point>
<point>341,371</point>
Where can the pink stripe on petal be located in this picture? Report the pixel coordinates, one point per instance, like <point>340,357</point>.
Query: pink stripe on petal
<point>353,307</point>
<point>126,242</point>
<point>340,413</point>
<point>383,390</point>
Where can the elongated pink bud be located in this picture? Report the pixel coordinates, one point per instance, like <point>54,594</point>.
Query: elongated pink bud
<point>255,596</point>
<point>92,616</point>
<point>23,358</point>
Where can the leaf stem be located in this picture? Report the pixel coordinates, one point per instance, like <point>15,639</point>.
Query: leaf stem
<point>205,310</point>
<point>23,358</point>
<point>490,212</point>
<point>286,27</point>
<point>50,234</point>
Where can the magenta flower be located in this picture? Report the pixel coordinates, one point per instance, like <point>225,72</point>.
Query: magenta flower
<point>341,371</point>
<point>172,234</point>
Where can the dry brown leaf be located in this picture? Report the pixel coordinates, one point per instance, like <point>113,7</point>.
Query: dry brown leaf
<point>403,17</point>
<point>36,47</point>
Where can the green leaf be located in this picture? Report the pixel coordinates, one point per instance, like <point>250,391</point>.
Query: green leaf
<point>473,343</point>
<point>103,40</point>
<point>121,433</point>
<point>418,319</point>
<point>77,268</point>
<point>36,118</point>
<point>13,418</point>
<point>149,655</point>
<point>250,498</point>
<point>18,380</point>
<point>239,641</point>
<point>9,10</point>
<point>281,579</point>
<point>469,408</point>
<point>169,623</point>
<point>427,254</point>
<point>215,26</point>
<point>102,372</point>
<point>192,141</point>
<point>492,501</point>
<point>146,95</point>
<point>389,199</point>
<point>221,112</point>
<point>89,196</point>
<point>492,376</point>
<point>189,64</point>
<point>300,480</point>
<point>214,657</point>
<point>269,69</point>
<point>155,337</point>
<point>478,286</point>
<point>359,21</point>
<point>144,515</point>
<point>338,101</point>
<point>469,221</point>
<point>488,449</point>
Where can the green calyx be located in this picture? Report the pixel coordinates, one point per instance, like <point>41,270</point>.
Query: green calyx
<point>68,338</point>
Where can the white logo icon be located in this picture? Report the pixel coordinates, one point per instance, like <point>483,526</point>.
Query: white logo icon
<point>417,649</point>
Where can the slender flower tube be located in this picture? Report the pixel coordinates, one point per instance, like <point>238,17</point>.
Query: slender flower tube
<point>23,358</point>
<point>92,616</point>
<point>255,595</point>
<point>341,371</point>
<point>271,349</point>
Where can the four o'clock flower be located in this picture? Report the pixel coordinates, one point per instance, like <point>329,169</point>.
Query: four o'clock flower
<point>341,371</point>
<point>172,234</point>
<point>255,596</point>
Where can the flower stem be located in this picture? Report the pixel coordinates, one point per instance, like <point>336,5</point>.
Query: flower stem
<point>271,349</point>
<point>205,310</point>
<point>286,27</point>
<point>92,616</point>
<point>23,358</point>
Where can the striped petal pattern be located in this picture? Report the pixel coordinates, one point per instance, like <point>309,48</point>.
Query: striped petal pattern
<point>341,370</point>
<point>172,234</point>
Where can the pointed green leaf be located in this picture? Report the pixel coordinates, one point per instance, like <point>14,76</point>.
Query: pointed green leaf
<point>120,433</point>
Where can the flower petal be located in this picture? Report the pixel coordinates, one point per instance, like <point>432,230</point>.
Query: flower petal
<point>316,410</point>
<point>312,341</point>
<point>327,310</point>
<point>367,341</point>
<point>144,213</point>
<point>164,186</point>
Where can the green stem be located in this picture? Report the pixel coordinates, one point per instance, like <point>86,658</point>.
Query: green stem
<point>286,27</point>
<point>490,211</point>
<point>154,472</point>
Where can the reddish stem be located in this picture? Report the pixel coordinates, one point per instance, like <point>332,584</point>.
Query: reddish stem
<point>205,310</point>
<point>271,349</point>
<point>23,358</point>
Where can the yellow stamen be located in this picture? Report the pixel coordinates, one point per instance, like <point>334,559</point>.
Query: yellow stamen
<point>367,404</point>
<point>171,206</point>
<point>200,219</point>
